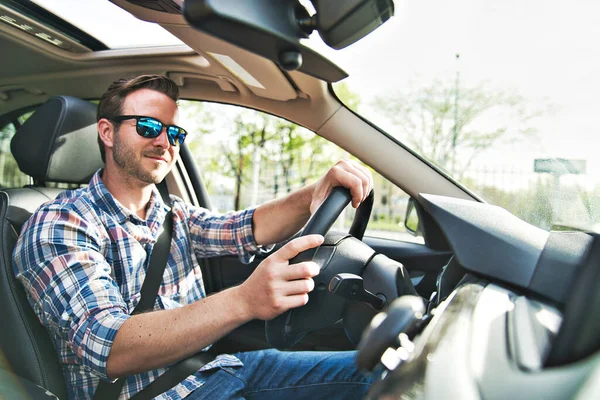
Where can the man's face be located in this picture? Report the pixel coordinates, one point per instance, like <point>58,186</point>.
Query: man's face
<point>145,159</point>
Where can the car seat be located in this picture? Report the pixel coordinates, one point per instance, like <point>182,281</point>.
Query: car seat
<point>58,143</point>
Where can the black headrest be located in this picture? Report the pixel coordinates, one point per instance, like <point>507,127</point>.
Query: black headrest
<point>58,143</point>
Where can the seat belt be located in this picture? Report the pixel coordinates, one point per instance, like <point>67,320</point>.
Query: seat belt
<point>154,275</point>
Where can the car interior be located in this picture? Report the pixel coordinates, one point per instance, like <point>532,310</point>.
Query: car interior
<point>484,305</point>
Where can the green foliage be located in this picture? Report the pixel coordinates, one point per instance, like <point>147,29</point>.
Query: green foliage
<point>351,99</point>
<point>250,149</point>
<point>413,220</point>
<point>392,226</point>
<point>10,174</point>
<point>532,204</point>
<point>247,157</point>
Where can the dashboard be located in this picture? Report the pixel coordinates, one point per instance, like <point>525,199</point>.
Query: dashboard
<point>510,318</point>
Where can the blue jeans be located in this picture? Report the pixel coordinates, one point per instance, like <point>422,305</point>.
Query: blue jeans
<point>273,374</point>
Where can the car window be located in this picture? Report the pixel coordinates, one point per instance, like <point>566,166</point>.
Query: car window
<point>247,157</point>
<point>10,174</point>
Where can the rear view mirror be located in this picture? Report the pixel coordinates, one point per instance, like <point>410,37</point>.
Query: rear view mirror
<point>341,23</point>
<point>273,28</point>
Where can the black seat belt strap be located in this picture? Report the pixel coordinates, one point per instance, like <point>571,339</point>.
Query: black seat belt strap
<point>148,293</point>
<point>156,269</point>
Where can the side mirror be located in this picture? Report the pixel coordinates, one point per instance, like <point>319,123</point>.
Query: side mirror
<point>273,28</point>
<point>411,219</point>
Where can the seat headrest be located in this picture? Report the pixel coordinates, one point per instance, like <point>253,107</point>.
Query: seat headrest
<point>58,143</point>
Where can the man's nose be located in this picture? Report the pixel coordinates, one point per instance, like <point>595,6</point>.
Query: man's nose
<point>162,140</point>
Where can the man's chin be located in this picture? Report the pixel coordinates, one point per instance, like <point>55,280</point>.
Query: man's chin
<point>157,174</point>
<point>153,177</point>
<point>156,178</point>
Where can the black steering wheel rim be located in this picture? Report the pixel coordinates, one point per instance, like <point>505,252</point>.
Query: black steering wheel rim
<point>280,331</point>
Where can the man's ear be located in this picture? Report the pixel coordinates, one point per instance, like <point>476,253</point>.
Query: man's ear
<point>106,132</point>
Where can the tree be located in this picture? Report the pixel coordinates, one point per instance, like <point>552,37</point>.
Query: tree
<point>10,174</point>
<point>199,120</point>
<point>296,151</point>
<point>532,204</point>
<point>451,137</point>
<point>247,147</point>
<point>248,136</point>
<point>245,150</point>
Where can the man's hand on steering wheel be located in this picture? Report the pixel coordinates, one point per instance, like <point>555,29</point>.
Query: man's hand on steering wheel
<point>348,173</point>
<point>276,286</point>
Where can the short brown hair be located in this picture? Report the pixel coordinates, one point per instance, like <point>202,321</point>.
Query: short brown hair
<point>111,102</point>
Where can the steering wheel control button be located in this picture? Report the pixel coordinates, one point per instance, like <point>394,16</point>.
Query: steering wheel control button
<point>350,287</point>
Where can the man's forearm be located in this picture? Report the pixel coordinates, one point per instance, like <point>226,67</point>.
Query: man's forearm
<point>159,338</point>
<point>279,219</point>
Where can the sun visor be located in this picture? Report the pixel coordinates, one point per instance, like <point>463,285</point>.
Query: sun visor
<point>261,76</point>
<point>255,73</point>
<point>227,63</point>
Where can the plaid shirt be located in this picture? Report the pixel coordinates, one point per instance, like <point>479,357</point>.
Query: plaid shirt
<point>82,259</point>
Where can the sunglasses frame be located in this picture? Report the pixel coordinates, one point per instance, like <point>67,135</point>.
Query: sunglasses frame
<point>174,138</point>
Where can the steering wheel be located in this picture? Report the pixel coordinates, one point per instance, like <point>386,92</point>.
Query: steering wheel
<point>339,253</point>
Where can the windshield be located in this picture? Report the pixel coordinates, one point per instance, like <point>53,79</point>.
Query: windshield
<point>499,95</point>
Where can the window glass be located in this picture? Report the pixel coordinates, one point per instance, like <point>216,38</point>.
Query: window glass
<point>10,174</point>
<point>501,96</point>
<point>126,31</point>
<point>247,157</point>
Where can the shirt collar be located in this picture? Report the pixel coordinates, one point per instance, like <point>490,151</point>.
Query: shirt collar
<point>156,211</point>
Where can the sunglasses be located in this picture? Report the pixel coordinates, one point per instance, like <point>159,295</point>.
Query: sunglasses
<point>149,127</point>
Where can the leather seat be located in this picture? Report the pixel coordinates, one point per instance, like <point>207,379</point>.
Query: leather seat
<point>58,143</point>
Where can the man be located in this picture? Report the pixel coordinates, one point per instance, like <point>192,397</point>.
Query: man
<point>83,258</point>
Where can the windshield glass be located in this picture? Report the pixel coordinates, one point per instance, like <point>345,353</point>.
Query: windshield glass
<point>499,95</point>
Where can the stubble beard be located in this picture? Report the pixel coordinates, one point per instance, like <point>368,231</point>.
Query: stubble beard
<point>126,158</point>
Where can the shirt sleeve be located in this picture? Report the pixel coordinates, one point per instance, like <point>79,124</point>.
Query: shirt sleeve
<point>214,234</point>
<point>58,260</point>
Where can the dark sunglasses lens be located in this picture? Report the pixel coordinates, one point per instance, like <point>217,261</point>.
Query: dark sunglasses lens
<point>176,135</point>
<point>148,127</point>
